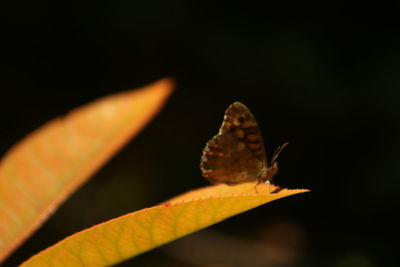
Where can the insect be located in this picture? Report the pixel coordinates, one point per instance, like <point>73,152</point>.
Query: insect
<point>236,154</point>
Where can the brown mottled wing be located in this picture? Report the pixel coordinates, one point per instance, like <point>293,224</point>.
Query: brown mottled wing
<point>236,154</point>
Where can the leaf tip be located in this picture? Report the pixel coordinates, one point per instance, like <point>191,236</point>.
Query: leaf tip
<point>166,84</point>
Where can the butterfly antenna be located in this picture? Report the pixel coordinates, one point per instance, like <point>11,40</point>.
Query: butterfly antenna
<point>277,152</point>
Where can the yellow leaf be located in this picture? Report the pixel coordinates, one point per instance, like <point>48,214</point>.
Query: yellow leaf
<point>41,171</point>
<point>129,235</point>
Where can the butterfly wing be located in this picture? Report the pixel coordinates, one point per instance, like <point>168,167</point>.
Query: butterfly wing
<point>236,154</point>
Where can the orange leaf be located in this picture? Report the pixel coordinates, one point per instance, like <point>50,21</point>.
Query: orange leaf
<point>41,171</point>
<point>129,235</point>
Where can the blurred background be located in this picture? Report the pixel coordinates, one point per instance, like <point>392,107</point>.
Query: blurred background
<point>327,84</point>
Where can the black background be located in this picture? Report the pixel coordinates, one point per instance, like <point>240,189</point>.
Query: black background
<point>328,84</point>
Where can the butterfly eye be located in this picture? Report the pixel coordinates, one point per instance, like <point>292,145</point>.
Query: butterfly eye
<point>241,119</point>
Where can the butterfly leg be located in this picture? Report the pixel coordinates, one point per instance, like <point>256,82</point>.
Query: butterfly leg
<point>255,187</point>
<point>268,182</point>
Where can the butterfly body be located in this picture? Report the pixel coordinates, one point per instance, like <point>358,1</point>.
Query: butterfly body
<point>236,154</point>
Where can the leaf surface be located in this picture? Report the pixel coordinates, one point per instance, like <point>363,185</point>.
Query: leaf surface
<point>119,239</point>
<point>48,165</point>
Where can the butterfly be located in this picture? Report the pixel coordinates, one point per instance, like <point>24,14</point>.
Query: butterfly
<point>236,154</point>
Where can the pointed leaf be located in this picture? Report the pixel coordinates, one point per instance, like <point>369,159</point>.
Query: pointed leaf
<point>129,235</point>
<point>48,165</point>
